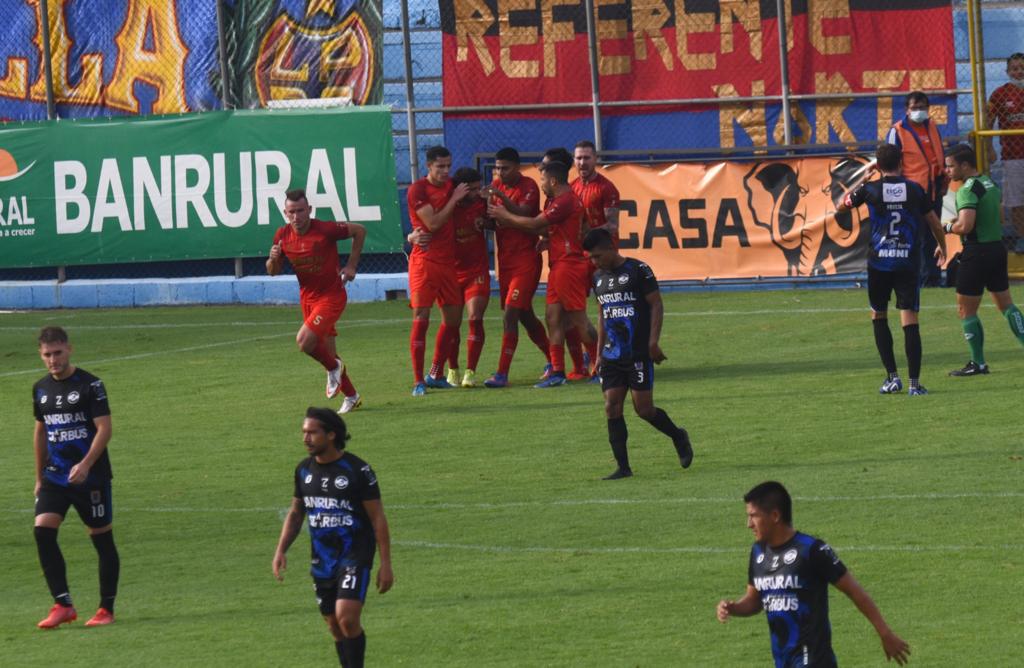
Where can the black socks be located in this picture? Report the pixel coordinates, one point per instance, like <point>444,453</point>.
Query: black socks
<point>52,561</point>
<point>110,568</point>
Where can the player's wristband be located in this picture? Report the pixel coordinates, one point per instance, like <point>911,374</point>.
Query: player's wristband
<point>948,227</point>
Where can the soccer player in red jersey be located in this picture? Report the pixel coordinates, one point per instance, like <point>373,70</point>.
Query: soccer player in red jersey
<point>432,277</point>
<point>311,247</point>
<point>567,293</point>
<point>1006,108</point>
<point>519,262</point>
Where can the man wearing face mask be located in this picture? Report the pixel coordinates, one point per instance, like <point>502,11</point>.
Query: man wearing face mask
<point>923,162</point>
<point>1006,109</point>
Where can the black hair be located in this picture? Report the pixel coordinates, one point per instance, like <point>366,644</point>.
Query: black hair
<point>507,154</point>
<point>435,152</point>
<point>769,496</point>
<point>466,175</point>
<point>52,335</point>
<point>889,157</point>
<point>559,170</point>
<point>917,96</point>
<point>296,194</point>
<point>558,154</point>
<point>597,238</point>
<point>586,143</point>
<point>330,422</point>
<point>1013,57</point>
<point>961,153</point>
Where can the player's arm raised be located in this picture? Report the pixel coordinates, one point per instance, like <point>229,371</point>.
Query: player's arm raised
<point>80,471</point>
<point>611,217</point>
<point>385,576</point>
<point>435,220</point>
<point>749,605</point>
<point>358,232</point>
<point>893,646</point>
<point>289,531</point>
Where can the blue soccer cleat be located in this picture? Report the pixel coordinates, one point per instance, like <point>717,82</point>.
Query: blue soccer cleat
<point>497,380</point>
<point>547,371</point>
<point>918,391</point>
<point>554,380</point>
<point>891,386</point>
<point>419,390</point>
<point>438,383</point>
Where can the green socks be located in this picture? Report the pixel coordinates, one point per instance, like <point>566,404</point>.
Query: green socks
<point>1016,320</point>
<point>975,338</point>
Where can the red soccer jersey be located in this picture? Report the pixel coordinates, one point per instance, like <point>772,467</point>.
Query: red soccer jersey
<point>1006,107</point>
<point>314,256</point>
<point>565,228</point>
<point>597,194</point>
<point>470,242</point>
<point>517,249</point>
<point>442,244</point>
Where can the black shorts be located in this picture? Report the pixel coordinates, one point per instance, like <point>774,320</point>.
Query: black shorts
<point>92,502</point>
<point>351,585</point>
<point>982,266</point>
<point>906,285</point>
<point>636,375</point>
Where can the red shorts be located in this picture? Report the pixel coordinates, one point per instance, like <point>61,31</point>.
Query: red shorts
<point>475,285</point>
<point>320,313</point>
<point>518,288</point>
<point>567,285</point>
<point>591,270</point>
<point>430,282</point>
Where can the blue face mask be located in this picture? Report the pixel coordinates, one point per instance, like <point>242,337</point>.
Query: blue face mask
<point>918,115</point>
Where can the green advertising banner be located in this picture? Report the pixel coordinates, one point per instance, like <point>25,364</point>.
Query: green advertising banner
<point>206,185</point>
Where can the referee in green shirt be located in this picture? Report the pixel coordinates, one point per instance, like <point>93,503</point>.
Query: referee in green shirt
<point>983,261</point>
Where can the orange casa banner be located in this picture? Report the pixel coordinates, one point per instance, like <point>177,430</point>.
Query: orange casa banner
<point>774,218</point>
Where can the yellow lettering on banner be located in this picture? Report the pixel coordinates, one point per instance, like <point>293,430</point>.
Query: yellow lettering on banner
<point>693,23</point>
<point>830,112</point>
<point>510,37</point>
<point>818,11</point>
<point>749,14</point>
<point>341,52</point>
<point>749,117</point>
<point>472,19</point>
<point>554,32</point>
<point>611,29</point>
<point>930,80</point>
<point>163,66</point>
<point>884,80</point>
<point>649,17</point>
<point>15,83</point>
<point>90,84</point>
<point>802,124</point>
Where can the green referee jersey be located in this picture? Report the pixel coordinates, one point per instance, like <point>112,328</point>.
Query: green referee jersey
<point>982,194</point>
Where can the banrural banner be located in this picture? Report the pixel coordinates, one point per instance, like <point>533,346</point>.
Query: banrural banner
<point>194,186</point>
<point>774,218</point>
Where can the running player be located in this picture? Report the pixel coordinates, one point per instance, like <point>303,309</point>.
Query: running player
<point>899,210</point>
<point>519,262</point>
<point>788,577</point>
<point>983,263</point>
<point>630,313</point>
<point>432,277</point>
<point>600,199</point>
<point>72,469</point>
<point>339,494</point>
<point>472,272</point>
<point>566,298</point>
<point>311,247</point>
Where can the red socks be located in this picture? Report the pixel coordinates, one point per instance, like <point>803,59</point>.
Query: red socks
<point>557,358</point>
<point>474,343</point>
<point>417,345</point>
<point>575,346</point>
<point>509,341</point>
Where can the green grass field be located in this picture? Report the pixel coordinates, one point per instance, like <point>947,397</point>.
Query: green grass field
<point>508,548</point>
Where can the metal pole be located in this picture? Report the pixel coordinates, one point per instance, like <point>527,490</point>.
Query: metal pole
<point>972,53</point>
<point>981,148</point>
<point>410,117</point>
<point>594,73</point>
<point>44,36</point>
<point>222,54</point>
<point>787,130</point>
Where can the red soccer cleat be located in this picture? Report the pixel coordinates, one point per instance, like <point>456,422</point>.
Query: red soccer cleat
<point>577,374</point>
<point>59,614</point>
<point>101,618</point>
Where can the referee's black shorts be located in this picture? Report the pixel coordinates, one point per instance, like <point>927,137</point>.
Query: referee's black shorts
<point>982,266</point>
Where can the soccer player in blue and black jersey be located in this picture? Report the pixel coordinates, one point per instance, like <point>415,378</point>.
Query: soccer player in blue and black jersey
<point>630,314</point>
<point>788,577</point>
<point>339,494</point>
<point>901,214</point>
<point>72,469</point>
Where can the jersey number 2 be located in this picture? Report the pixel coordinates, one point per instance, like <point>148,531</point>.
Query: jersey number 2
<point>897,218</point>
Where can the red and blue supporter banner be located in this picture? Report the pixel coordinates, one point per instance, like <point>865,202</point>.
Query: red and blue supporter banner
<point>505,52</point>
<point>111,57</point>
<point>305,49</point>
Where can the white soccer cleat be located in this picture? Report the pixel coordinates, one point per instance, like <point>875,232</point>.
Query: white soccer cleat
<point>350,404</point>
<point>334,379</point>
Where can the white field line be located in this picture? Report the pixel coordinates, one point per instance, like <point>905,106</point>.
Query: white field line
<point>694,549</point>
